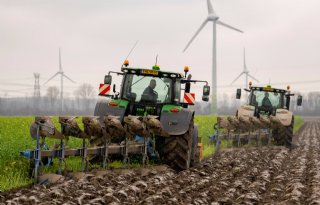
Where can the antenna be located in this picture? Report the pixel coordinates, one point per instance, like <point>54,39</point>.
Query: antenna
<point>132,49</point>
<point>156,60</point>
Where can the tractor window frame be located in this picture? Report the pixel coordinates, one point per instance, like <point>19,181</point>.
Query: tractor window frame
<point>281,98</point>
<point>171,89</point>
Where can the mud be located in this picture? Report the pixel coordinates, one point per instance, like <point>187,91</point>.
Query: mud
<point>267,175</point>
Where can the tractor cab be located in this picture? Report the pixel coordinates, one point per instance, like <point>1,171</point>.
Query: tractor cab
<point>267,100</point>
<point>148,91</point>
<point>150,86</point>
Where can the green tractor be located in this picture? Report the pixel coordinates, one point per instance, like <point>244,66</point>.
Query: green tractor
<point>274,104</point>
<point>157,93</point>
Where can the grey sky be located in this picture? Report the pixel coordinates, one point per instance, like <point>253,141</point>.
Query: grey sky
<point>282,39</point>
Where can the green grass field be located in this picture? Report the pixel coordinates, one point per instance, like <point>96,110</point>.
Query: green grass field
<point>298,122</point>
<point>15,137</point>
<point>205,126</point>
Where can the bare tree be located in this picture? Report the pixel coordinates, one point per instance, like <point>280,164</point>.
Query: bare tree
<point>84,93</point>
<point>53,95</point>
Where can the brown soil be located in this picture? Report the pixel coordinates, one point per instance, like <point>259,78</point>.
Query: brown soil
<point>267,175</point>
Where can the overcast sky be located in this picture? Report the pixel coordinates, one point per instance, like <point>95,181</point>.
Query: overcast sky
<point>282,40</point>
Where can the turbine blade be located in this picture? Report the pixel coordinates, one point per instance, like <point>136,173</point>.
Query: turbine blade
<point>210,8</point>
<point>228,26</point>
<point>51,78</point>
<point>68,78</point>
<point>244,57</point>
<point>195,35</point>
<point>60,64</point>
<point>237,78</point>
<point>253,78</point>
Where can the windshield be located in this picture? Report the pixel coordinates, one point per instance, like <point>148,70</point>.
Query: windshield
<point>267,99</point>
<point>147,89</point>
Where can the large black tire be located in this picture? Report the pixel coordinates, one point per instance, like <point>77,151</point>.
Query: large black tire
<point>288,132</point>
<point>195,153</point>
<point>177,149</point>
<point>277,138</point>
<point>283,136</point>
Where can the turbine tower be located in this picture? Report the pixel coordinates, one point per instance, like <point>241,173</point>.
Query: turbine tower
<point>215,20</point>
<point>36,91</point>
<point>245,71</point>
<point>62,75</point>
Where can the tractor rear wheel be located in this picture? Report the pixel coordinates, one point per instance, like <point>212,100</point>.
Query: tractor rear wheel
<point>278,139</point>
<point>177,149</point>
<point>288,134</point>
<point>283,136</point>
<point>195,153</point>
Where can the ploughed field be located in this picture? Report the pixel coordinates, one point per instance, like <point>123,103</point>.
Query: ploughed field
<point>265,175</point>
<point>15,137</point>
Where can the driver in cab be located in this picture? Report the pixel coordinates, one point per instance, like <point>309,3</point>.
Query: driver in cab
<point>149,94</point>
<point>266,103</point>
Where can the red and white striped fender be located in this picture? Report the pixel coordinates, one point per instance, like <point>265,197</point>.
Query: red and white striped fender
<point>189,98</point>
<point>104,89</point>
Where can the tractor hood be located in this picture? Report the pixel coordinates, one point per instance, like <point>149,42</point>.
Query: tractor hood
<point>284,116</point>
<point>246,111</point>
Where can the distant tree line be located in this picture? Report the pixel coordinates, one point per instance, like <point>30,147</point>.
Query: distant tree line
<point>82,104</point>
<point>85,100</point>
<point>228,105</point>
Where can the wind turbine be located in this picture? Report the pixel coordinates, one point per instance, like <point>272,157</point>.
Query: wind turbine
<point>215,20</point>
<point>62,75</point>
<point>245,71</point>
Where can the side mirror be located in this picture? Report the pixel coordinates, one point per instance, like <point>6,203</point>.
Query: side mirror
<point>114,88</point>
<point>205,98</point>
<point>299,101</point>
<point>238,95</point>
<point>206,93</point>
<point>108,79</point>
<point>206,90</point>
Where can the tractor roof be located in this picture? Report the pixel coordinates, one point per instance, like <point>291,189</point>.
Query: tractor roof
<point>268,88</point>
<point>155,71</point>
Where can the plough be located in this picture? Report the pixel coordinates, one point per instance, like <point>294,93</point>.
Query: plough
<point>242,131</point>
<point>101,134</point>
